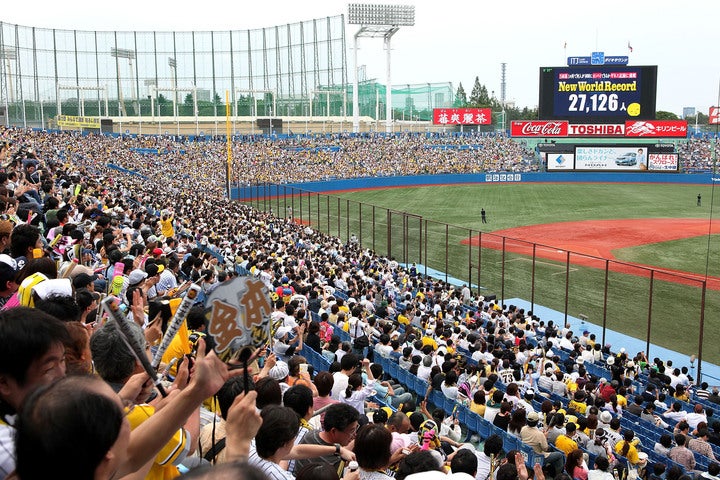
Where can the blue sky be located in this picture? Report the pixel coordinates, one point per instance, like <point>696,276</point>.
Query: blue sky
<point>456,41</point>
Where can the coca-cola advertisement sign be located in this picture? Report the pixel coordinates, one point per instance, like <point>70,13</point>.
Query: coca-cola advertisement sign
<point>539,128</point>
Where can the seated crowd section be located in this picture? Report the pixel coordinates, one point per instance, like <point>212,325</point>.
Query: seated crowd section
<point>374,371</point>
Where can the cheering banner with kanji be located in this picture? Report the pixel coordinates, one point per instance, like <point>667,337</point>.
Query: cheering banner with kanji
<point>240,316</point>
<point>462,116</point>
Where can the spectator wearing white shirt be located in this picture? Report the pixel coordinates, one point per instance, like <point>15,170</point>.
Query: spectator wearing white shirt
<point>348,364</point>
<point>425,369</point>
<point>675,412</point>
<point>383,348</point>
<point>697,416</point>
<point>355,393</point>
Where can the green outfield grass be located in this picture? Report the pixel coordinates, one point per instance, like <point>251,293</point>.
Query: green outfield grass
<point>674,308</point>
<point>686,255</point>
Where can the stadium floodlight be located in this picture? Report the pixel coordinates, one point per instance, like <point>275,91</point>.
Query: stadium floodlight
<point>7,53</point>
<point>369,14</point>
<point>377,21</point>
<point>172,63</point>
<point>122,53</point>
<point>130,56</point>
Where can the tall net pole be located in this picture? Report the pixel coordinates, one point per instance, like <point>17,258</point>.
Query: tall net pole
<point>228,135</point>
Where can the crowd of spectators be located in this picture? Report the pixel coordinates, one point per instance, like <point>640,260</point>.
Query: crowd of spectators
<point>74,399</point>
<point>698,154</point>
<point>286,160</point>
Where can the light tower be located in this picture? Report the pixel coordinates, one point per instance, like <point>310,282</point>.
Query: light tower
<point>503,69</point>
<point>377,21</point>
<point>119,53</point>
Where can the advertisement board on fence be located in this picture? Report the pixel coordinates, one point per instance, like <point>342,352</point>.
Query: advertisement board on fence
<point>611,158</point>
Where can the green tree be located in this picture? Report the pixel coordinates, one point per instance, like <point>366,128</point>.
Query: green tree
<point>460,97</point>
<point>699,118</point>
<point>663,115</point>
<point>479,96</point>
<point>164,106</point>
<point>516,113</point>
<point>187,108</point>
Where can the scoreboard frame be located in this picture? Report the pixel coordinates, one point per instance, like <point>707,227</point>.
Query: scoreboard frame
<point>598,93</point>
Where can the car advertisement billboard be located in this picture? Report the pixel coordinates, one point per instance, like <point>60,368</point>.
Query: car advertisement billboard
<point>598,94</point>
<point>611,158</point>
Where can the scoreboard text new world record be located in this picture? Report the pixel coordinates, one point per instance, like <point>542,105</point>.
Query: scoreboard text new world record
<point>598,94</point>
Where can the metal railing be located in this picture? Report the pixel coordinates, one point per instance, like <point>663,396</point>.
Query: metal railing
<point>677,311</point>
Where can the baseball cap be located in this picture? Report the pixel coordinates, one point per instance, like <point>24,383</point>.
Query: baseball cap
<point>281,332</point>
<point>279,371</point>
<point>9,261</point>
<point>533,417</point>
<point>153,269</point>
<point>605,417</point>
<point>82,280</point>
<point>136,276</point>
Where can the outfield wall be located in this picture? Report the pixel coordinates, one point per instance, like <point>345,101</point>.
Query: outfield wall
<point>331,186</point>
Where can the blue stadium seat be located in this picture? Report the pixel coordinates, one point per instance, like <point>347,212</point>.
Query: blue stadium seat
<point>436,398</point>
<point>484,428</point>
<point>403,378</point>
<point>421,386</point>
<point>462,414</point>
<point>510,442</point>
<point>448,404</point>
<point>392,369</point>
<point>472,423</point>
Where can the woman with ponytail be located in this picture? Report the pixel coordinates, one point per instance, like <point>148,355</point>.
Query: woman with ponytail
<point>355,394</point>
<point>627,449</point>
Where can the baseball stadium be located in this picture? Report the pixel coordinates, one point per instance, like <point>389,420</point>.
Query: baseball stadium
<point>172,175</point>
